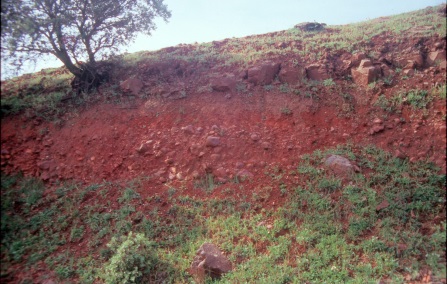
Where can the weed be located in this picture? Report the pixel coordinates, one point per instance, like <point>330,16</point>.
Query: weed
<point>328,82</point>
<point>286,111</point>
<point>132,260</point>
<point>269,88</point>
<point>284,88</point>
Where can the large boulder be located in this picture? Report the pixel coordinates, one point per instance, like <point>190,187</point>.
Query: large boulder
<point>264,73</point>
<point>340,166</point>
<point>132,85</point>
<point>209,261</point>
<point>226,83</point>
<point>366,73</point>
<point>316,72</point>
<point>309,27</point>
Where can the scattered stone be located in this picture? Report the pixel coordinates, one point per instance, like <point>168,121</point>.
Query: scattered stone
<point>188,129</point>
<point>377,121</point>
<point>408,72</point>
<point>225,83</point>
<point>220,173</point>
<point>144,148</point>
<point>133,85</point>
<point>384,204</point>
<point>239,165</point>
<point>266,145</point>
<point>212,141</point>
<point>376,129</point>
<point>209,261</point>
<point>244,174</point>
<point>255,137</point>
<point>264,73</point>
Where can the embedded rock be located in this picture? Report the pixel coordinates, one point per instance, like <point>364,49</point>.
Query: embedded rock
<point>226,83</point>
<point>212,141</point>
<point>264,73</point>
<point>209,261</point>
<point>132,85</point>
<point>365,74</point>
<point>291,75</point>
<point>316,72</point>
<point>435,57</point>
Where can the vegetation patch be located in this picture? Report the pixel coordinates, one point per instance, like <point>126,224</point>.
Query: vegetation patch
<point>372,228</point>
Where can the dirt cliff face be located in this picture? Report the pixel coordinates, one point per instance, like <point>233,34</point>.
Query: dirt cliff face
<point>174,122</point>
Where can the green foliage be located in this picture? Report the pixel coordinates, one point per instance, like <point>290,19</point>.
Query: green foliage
<point>132,259</point>
<point>82,29</point>
<point>327,229</point>
<point>328,82</point>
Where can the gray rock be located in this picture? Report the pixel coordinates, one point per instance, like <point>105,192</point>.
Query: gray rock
<point>209,261</point>
<point>341,166</point>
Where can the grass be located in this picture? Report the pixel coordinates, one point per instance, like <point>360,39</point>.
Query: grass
<point>326,231</point>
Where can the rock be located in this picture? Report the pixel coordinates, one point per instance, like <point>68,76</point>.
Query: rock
<point>225,83</point>
<point>47,165</point>
<point>212,141</point>
<point>365,74</point>
<point>255,137</point>
<point>356,58</point>
<point>340,165</point>
<point>188,129</point>
<point>133,85</point>
<point>264,73</point>
<point>244,174</point>
<point>316,72</point>
<point>309,26</point>
<point>384,204</point>
<point>144,147</point>
<point>376,129</point>
<point>209,261</point>
<point>291,75</point>
<point>266,145</point>
<point>408,72</point>
<point>435,57</point>
<point>387,71</point>
<point>377,121</point>
<point>220,173</point>
<point>239,165</point>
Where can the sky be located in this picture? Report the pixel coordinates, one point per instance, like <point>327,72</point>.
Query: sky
<point>208,20</point>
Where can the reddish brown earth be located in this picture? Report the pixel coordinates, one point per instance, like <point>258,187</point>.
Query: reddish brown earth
<point>167,138</point>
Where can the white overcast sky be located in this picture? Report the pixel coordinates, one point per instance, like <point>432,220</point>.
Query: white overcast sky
<point>208,20</point>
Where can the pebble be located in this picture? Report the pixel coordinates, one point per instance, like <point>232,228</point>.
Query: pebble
<point>212,141</point>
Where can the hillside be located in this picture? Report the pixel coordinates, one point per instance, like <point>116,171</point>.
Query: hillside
<point>305,155</point>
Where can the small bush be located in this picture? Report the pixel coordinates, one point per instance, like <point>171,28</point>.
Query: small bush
<point>132,260</point>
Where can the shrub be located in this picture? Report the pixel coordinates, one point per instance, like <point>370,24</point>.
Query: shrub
<point>132,260</point>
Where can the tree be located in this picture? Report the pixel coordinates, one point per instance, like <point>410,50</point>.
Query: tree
<point>75,31</point>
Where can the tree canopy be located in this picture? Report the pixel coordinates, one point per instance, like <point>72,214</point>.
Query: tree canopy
<point>74,31</point>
